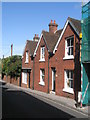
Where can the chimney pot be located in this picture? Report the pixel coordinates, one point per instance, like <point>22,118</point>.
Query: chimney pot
<point>36,37</point>
<point>52,26</point>
<point>51,21</point>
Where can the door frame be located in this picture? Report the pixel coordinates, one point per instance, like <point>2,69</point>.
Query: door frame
<point>53,79</point>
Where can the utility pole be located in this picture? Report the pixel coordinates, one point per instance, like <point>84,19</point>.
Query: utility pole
<point>11,49</point>
<point>3,56</point>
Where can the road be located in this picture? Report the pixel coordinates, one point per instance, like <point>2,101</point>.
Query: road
<point>18,104</point>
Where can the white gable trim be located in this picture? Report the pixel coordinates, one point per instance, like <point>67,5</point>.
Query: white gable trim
<point>37,46</point>
<point>60,37</point>
<point>68,21</point>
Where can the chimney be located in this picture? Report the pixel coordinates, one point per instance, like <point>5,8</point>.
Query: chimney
<point>52,26</point>
<point>36,37</point>
<point>11,49</point>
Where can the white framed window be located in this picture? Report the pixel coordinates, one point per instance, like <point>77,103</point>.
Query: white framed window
<point>42,77</point>
<point>69,43</point>
<point>24,78</point>
<point>68,81</point>
<point>42,54</point>
<point>26,57</point>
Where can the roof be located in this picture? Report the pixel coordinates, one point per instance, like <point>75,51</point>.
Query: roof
<point>31,45</point>
<point>51,39</point>
<point>58,32</point>
<point>76,23</point>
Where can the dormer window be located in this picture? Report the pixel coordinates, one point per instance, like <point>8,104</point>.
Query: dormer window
<point>26,57</point>
<point>69,43</point>
<point>42,54</point>
<point>69,46</point>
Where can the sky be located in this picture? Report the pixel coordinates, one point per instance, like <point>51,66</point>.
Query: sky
<point>22,20</point>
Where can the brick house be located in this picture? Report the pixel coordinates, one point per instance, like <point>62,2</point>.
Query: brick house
<point>67,65</point>
<point>56,66</point>
<point>27,62</point>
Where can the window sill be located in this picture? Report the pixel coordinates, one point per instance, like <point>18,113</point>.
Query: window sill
<point>26,62</point>
<point>68,58</point>
<point>42,83</point>
<point>42,60</point>
<point>24,83</point>
<point>68,90</point>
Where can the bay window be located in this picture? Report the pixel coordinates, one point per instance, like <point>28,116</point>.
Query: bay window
<point>42,54</point>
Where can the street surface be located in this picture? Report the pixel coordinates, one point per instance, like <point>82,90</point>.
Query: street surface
<point>18,104</point>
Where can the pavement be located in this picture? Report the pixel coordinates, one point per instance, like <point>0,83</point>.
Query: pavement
<point>70,103</point>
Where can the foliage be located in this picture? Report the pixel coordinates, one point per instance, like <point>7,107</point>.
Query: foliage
<point>12,66</point>
<point>0,65</point>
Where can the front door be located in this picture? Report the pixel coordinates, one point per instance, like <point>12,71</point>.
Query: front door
<point>53,79</point>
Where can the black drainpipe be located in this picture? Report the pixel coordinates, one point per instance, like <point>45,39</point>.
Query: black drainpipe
<point>48,74</point>
<point>33,74</point>
<point>20,81</point>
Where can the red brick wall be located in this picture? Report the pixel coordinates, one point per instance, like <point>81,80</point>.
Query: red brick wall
<point>27,65</point>
<point>11,80</point>
<point>52,29</point>
<point>38,66</point>
<point>60,64</point>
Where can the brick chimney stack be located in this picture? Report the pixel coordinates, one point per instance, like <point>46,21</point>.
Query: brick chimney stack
<point>52,26</point>
<point>36,37</point>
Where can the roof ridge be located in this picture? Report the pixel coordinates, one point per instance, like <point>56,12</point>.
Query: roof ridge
<point>73,19</point>
<point>31,41</point>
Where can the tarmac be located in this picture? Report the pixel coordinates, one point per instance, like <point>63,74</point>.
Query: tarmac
<point>58,99</point>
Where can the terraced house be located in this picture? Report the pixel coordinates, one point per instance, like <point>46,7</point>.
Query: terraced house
<point>55,62</point>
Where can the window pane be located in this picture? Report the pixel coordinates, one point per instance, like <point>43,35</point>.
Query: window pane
<point>72,41</point>
<point>68,42</point>
<point>71,83</point>
<point>26,56</point>
<point>67,74</point>
<point>42,74</point>
<point>71,50</point>
<point>72,74</point>
<point>43,78</point>
<point>42,52</point>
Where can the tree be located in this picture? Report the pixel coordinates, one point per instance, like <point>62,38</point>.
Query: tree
<point>12,66</point>
<point>0,65</point>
